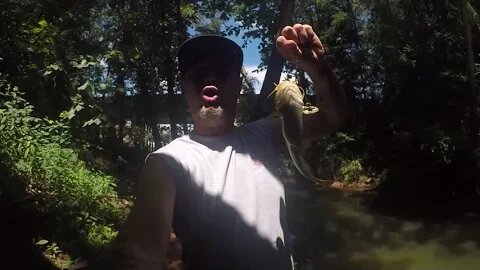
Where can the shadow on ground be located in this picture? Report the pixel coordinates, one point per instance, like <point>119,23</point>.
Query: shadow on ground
<point>371,231</point>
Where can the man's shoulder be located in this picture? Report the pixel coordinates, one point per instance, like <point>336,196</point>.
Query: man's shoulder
<point>265,122</point>
<point>176,146</point>
<point>173,154</point>
<point>269,128</point>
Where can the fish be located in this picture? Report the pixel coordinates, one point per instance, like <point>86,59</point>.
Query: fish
<point>291,108</point>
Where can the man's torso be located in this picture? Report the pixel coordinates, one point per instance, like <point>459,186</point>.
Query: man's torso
<point>230,203</point>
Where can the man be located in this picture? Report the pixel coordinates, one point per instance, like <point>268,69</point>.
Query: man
<point>218,186</point>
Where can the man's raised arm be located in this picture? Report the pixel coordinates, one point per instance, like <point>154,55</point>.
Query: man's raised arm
<point>301,46</point>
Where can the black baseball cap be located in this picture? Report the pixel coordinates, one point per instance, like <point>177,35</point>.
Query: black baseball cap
<point>192,51</point>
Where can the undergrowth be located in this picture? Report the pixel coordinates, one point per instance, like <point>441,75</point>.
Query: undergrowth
<point>39,164</point>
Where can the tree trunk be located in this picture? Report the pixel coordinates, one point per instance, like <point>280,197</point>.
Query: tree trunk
<point>119,102</point>
<point>155,133</point>
<point>172,105</point>
<point>264,106</point>
<point>146,103</point>
<point>467,26</point>
<point>171,69</point>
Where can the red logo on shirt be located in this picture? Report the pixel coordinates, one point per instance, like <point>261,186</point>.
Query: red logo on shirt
<point>257,164</point>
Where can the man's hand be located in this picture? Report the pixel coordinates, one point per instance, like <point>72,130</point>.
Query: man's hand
<point>301,46</point>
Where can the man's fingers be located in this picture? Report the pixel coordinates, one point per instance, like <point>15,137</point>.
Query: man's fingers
<point>317,45</point>
<point>299,43</point>
<point>301,33</point>
<point>290,34</point>
<point>288,48</point>
<point>319,52</point>
<point>310,33</point>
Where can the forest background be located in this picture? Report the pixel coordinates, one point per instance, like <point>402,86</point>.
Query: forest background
<point>88,88</point>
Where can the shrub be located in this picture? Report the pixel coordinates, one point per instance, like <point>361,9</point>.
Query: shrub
<point>351,170</point>
<point>39,152</point>
<point>328,154</point>
<point>38,159</point>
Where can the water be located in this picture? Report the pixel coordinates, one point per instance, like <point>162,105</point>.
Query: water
<point>333,230</point>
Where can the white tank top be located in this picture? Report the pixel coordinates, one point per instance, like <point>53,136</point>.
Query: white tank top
<point>230,203</point>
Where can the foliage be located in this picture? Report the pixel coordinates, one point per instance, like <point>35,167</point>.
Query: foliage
<point>108,69</point>
<point>37,150</point>
<point>328,153</point>
<point>55,254</point>
<point>39,161</point>
<point>100,235</point>
<point>350,170</point>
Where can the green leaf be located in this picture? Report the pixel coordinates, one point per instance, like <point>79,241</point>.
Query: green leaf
<point>103,86</point>
<point>70,114</point>
<point>83,86</point>
<point>42,242</point>
<point>90,122</point>
<point>78,108</point>
<point>43,23</point>
<point>27,151</point>
<point>83,64</point>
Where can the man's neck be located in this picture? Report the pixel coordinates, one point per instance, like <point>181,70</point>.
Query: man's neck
<point>212,131</point>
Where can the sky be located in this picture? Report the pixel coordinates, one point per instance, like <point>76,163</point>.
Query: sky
<point>251,60</point>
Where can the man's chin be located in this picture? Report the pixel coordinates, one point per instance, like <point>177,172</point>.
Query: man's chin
<point>211,113</point>
<point>215,119</point>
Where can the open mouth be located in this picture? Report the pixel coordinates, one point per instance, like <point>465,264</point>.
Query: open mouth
<point>210,95</point>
